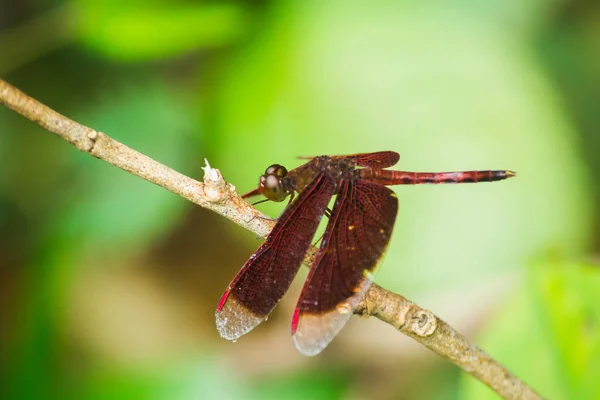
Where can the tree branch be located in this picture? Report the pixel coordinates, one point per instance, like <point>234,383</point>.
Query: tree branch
<point>221,197</point>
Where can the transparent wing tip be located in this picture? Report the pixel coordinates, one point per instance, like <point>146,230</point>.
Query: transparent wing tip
<point>234,320</point>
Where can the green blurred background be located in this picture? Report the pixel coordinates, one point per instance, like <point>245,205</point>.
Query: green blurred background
<point>108,284</point>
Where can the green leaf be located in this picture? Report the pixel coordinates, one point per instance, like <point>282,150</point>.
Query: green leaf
<point>568,297</point>
<point>549,334</point>
<point>144,30</point>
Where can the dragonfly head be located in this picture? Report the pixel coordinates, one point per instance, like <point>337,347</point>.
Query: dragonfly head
<point>272,185</point>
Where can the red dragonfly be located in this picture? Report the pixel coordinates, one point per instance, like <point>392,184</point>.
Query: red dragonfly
<point>352,247</point>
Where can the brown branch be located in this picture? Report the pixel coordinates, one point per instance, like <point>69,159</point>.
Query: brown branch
<point>221,197</point>
<point>435,334</point>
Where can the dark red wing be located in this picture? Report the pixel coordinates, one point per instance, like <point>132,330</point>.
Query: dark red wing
<point>267,275</point>
<point>353,245</point>
<point>379,159</point>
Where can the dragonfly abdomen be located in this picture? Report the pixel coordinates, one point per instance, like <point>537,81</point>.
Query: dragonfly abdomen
<point>389,177</point>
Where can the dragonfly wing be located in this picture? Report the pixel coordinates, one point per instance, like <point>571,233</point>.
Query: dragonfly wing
<point>353,246</point>
<point>379,159</point>
<point>267,275</point>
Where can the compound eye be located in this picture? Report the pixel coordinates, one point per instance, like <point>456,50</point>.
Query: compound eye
<point>277,170</point>
<point>272,188</point>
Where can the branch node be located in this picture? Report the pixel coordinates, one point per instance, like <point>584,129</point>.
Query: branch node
<point>88,146</point>
<point>423,323</point>
<point>366,311</point>
<point>92,135</point>
<point>214,184</point>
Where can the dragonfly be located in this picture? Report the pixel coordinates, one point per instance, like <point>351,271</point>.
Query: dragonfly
<point>351,250</point>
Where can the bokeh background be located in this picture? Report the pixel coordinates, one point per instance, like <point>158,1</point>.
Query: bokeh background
<point>108,284</point>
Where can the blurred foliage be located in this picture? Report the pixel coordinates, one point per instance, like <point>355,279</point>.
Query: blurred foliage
<point>303,385</point>
<point>108,284</point>
<point>558,306</point>
<point>143,30</point>
<point>167,131</point>
<point>186,381</point>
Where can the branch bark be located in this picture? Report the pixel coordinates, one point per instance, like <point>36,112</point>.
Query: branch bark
<point>221,197</point>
